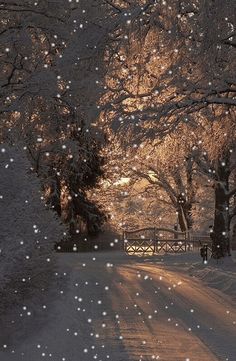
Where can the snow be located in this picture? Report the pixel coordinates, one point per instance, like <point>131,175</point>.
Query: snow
<point>221,275</point>
<point>127,308</point>
<point>28,232</point>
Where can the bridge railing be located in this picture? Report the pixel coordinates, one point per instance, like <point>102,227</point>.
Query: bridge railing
<point>157,240</point>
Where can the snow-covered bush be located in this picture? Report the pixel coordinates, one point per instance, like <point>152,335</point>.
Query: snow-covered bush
<point>28,231</point>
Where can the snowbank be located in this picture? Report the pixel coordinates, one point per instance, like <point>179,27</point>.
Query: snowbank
<point>220,275</point>
<point>27,234</point>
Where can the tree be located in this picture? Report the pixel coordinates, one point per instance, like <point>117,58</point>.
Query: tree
<point>160,174</point>
<point>215,159</point>
<point>177,67</point>
<point>49,72</point>
<point>170,171</point>
<point>179,64</point>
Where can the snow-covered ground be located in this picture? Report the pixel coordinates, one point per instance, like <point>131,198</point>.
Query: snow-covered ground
<point>220,275</point>
<point>125,308</point>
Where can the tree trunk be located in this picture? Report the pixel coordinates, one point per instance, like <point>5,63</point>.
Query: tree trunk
<point>53,197</point>
<point>182,219</point>
<point>190,192</point>
<point>184,214</point>
<point>220,235</point>
<point>233,236</point>
<point>186,199</point>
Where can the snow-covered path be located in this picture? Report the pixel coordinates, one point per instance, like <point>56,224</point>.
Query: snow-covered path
<point>122,308</point>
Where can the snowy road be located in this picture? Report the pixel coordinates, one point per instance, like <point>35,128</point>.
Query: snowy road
<point>122,308</point>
